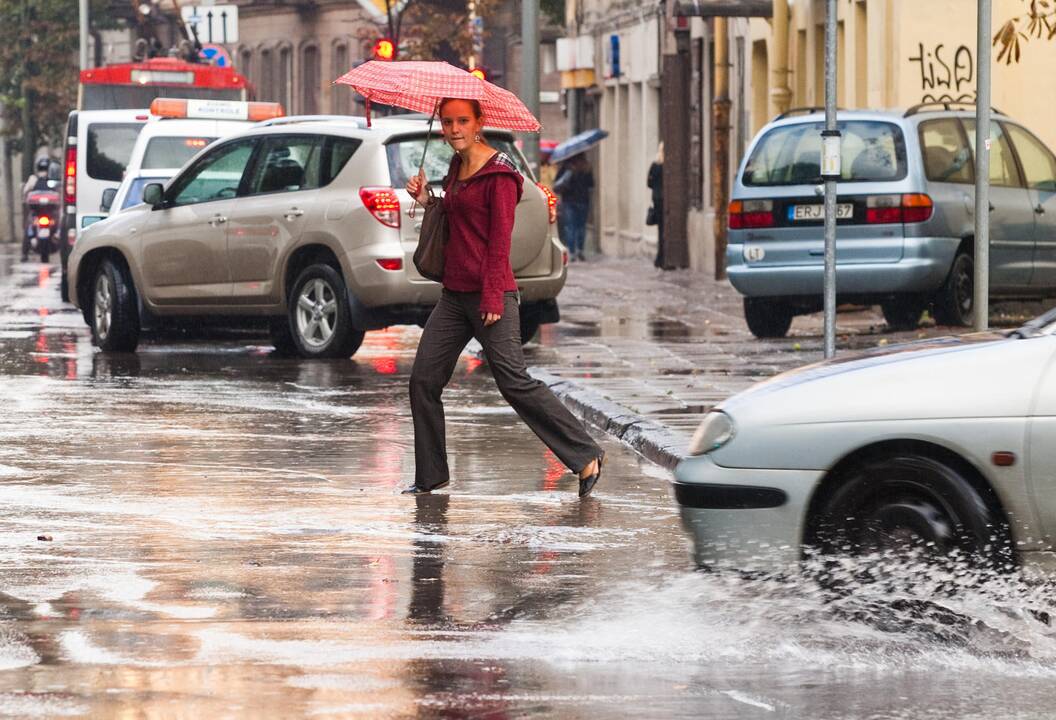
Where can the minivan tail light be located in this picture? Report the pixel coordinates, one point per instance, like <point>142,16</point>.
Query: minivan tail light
<point>916,207</point>
<point>383,204</point>
<point>391,263</point>
<point>747,214</point>
<point>70,186</point>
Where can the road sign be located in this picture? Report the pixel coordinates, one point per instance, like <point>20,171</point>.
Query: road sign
<point>213,23</point>
<point>216,55</point>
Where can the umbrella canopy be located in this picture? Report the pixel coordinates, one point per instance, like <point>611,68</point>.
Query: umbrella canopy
<point>419,86</point>
<point>577,144</point>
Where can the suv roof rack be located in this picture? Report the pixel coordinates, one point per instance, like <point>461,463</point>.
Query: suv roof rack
<point>294,119</point>
<point>806,110</point>
<point>945,105</point>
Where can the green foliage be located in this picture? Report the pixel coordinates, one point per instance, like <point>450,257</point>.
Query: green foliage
<point>38,51</point>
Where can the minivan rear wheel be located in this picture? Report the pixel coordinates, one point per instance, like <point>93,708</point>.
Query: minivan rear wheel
<point>903,313</point>
<point>954,301</point>
<point>767,317</point>
<point>320,316</point>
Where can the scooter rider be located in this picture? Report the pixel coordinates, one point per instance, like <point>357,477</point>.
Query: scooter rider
<point>38,181</point>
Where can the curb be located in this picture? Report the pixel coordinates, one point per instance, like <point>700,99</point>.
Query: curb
<point>650,439</point>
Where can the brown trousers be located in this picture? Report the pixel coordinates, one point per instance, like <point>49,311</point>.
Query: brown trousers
<point>454,320</point>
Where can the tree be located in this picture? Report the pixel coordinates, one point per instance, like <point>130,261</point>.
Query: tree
<point>434,29</point>
<point>1038,21</point>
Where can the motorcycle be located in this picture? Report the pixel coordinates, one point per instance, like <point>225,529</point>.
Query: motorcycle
<point>43,206</point>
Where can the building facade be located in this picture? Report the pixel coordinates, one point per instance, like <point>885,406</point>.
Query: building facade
<point>891,54</point>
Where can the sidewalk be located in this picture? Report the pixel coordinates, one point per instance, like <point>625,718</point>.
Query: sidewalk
<point>643,353</point>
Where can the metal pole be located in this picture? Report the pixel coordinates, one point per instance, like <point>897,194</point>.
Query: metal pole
<point>830,172</point>
<point>981,299</point>
<point>83,5</point>
<point>530,74</point>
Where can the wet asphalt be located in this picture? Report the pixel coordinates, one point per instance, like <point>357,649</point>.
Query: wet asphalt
<point>223,537</point>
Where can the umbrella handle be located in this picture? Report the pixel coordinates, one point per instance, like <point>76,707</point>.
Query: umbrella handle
<point>425,150</point>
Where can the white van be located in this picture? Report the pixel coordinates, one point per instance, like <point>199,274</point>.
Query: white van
<point>175,133</point>
<point>98,146</point>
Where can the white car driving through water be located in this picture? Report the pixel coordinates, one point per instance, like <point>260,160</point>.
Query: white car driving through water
<point>948,445</point>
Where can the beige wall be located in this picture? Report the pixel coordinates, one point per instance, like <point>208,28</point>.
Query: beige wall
<point>897,53</point>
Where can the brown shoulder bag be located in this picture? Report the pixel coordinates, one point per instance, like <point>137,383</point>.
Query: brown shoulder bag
<point>432,240</point>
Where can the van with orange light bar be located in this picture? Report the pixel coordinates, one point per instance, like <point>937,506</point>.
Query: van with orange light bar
<point>96,150</point>
<point>176,132</point>
<point>904,216</point>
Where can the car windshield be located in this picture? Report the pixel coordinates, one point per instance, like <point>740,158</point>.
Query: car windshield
<point>172,152</point>
<point>406,154</point>
<point>134,196</point>
<point>871,151</point>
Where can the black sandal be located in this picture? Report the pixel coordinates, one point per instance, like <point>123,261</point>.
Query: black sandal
<point>586,484</point>
<point>415,490</point>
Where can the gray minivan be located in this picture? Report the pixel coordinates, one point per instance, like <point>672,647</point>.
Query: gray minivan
<point>905,216</point>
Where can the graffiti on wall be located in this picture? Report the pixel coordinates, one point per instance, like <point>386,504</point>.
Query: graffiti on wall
<point>946,75</point>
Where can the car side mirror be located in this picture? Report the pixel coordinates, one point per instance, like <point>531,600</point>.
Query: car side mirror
<point>108,199</point>
<point>153,195</point>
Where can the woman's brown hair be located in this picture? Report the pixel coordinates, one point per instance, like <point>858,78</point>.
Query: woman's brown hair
<point>475,104</point>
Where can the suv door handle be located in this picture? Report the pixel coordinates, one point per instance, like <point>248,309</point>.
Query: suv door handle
<point>218,220</point>
<point>1039,209</point>
<point>294,213</point>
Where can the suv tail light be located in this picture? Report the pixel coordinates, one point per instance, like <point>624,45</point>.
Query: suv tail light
<point>887,209</point>
<point>383,204</point>
<point>551,201</point>
<point>746,214</point>
<point>70,185</point>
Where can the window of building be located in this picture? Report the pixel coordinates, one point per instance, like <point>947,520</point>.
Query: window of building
<point>310,79</point>
<point>340,95</point>
<point>266,76</point>
<point>245,63</point>
<point>284,78</point>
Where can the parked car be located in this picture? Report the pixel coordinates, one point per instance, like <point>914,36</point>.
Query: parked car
<point>905,217</point>
<point>177,131</point>
<point>97,148</point>
<point>947,444</point>
<point>300,220</point>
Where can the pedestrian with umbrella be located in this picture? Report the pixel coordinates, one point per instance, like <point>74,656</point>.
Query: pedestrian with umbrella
<point>575,186</point>
<point>479,298</point>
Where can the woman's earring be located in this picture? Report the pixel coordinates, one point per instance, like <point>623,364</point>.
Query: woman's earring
<point>476,139</point>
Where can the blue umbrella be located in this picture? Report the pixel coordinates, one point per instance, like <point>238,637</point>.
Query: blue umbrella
<point>577,144</point>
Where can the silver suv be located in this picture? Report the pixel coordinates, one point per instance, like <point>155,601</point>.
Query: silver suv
<point>905,222</point>
<point>303,221</point>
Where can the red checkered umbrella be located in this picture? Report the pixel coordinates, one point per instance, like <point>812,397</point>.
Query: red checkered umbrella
<point>419,86</point>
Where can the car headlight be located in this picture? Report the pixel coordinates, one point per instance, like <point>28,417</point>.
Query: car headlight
<point>716,430</point>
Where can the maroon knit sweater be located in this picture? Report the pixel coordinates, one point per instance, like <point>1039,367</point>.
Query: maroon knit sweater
<point>480,214</point>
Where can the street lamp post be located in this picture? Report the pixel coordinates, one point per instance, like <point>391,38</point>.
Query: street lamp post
<point>981,284</point>
<point>530,73</point>
<point>83,7</point>
<point>830,172</point>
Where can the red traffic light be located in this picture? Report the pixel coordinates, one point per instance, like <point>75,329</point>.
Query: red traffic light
<point>479,73</point>
<point>384,49</point>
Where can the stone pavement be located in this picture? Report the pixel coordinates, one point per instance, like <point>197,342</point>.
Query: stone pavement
<point>643,353</point>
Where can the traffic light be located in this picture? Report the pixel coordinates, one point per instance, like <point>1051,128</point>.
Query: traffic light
<point>384,49</point>
<point>479,72</point>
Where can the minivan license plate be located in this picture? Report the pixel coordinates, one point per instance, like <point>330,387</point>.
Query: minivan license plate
<point>844,211</point>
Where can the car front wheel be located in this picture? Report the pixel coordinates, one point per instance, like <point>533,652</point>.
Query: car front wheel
<point>767,317</point>
<point>905,504</point>
<point>954,301</point>
<point>320,317</point>
<point>114,311</point>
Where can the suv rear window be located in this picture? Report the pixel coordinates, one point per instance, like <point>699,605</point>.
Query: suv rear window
<point>406,153</point>
<point>172,152</point>
<point>873,151</point>
<point>109,149</point>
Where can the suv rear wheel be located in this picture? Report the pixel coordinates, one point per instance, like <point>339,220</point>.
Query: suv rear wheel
<point>767,317</point>
<point>320,317</point>
<point>903,313</point>
<point>954,301</point>
<point>114,310</point>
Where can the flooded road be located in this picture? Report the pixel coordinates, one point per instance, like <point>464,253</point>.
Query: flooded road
<point>222,537</point>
